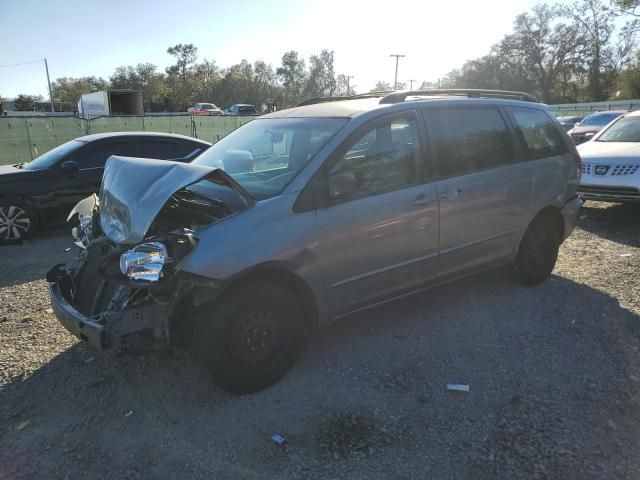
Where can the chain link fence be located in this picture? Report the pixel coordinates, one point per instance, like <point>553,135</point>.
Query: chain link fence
<point>24,138</point>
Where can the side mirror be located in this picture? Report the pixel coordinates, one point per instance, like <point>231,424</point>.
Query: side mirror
<point>576,124</point>
<point>342,184</point>
<point>69,168</point>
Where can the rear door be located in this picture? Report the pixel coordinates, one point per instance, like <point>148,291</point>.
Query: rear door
<point>484,191</point>
<point>382,239</point>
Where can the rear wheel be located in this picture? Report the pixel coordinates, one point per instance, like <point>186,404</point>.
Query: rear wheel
<point>17,222</point>
<point>538,251</point>
<point>250,338</point>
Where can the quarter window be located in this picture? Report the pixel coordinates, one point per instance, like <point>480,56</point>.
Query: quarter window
<point>537,132</point>
<point>469,139</point>
<point>384,158</point>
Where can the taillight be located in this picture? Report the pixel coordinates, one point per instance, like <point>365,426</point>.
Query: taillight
<point>578,161</point>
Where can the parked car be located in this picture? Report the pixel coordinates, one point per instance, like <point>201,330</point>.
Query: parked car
<point>40,193</point>
<point>568,122</point>
<point>204,109</point>
<point>241,109</point>
<point>611,162</point>
<point>352,203</point>
<point>591,124</point>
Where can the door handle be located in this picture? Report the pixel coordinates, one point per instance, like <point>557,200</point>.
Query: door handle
<point>421,200</point>
<point>455,193</point>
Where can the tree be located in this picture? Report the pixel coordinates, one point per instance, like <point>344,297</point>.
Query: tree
<point>69,90</point>
<point>24,102</point>
<point>179,75</point>
<point>544,47</point>
<point>595,22</point>
<point>382,86</point>
<point>293,75</point>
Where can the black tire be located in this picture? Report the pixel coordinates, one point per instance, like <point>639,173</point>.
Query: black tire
<point>250,338</point>
<point>538,251</point>
<point>17,221</point>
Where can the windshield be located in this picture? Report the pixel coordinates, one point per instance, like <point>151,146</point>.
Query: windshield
<point>264,155</point>
<point>599,119</point>
<point>51,157</point>
<point>208,106</point>
<point>624,130</point>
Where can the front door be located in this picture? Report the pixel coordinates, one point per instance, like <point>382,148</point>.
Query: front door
<point>382,238</point>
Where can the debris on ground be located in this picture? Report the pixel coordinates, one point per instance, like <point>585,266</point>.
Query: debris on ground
<point>458,387</point>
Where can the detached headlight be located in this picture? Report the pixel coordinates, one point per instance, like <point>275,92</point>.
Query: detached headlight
<point>144,262</point>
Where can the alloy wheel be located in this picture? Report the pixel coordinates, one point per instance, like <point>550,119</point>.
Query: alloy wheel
<point>14,222</point>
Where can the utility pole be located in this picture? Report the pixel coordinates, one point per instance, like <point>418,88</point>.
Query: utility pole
<point>411,84</point>
<point>349,77</point>
<point>398,56</point>
<point>46,67</point>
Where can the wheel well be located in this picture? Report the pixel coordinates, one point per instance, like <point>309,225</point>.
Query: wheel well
<point>553,216</point>
<point>284,278</point>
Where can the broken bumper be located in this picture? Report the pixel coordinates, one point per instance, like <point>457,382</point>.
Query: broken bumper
<point>104,330</point>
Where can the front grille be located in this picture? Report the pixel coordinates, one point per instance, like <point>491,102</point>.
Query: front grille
<point>589,169</point>
<point>578,138</point>
<point>608,191</point>
<point>624,169</point>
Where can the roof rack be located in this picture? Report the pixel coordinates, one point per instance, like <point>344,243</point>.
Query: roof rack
<point>313,101</point>
<point>397,97</point>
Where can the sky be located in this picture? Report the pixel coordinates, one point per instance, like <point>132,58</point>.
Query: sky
<point>90,37</point>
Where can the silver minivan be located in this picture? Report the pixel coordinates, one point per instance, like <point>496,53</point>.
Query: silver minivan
<point>309,214</point>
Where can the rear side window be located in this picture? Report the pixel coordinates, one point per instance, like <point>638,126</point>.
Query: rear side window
<point>98,157</point>
<point>159,150</point>
<point>469,139</point>
<point>537,132</point>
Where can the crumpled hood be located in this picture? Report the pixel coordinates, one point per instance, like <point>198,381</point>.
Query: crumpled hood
<point>134,190</point>
<point>593,150</point>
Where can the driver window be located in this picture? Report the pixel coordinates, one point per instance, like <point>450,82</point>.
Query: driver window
<point>384,158</point>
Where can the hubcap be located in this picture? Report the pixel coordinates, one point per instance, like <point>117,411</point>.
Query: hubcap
<point>14,222</point>
<point>255,338</point>
<point>539,250</point>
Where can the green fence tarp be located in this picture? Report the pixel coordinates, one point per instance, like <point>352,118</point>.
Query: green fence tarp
<point>25,138</point>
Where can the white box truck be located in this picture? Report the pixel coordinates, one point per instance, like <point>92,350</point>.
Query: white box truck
<point>111,102</point>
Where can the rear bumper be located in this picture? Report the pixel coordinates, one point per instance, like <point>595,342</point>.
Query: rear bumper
<point>570,215</point>
<point>104,330</point>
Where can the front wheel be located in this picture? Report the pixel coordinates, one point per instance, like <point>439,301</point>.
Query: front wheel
<point>538,252</point>
<point>250,338</point>
<point>17,222</point>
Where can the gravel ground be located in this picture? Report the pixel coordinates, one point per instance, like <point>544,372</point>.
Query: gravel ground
<point>553,375</point>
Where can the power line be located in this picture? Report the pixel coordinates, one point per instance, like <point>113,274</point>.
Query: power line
<point>21,63</point>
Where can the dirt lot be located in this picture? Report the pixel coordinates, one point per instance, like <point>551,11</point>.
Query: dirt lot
<point>553,372</point>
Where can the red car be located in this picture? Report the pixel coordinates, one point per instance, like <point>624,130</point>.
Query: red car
<point>204,109</point>
<point>589,126</point>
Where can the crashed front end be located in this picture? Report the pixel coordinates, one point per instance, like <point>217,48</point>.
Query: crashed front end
<point>132,241</point>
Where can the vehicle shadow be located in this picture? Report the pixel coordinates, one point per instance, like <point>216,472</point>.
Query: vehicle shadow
<point>30,260</point>
<point>618,222</point>
<point>552,360</point>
